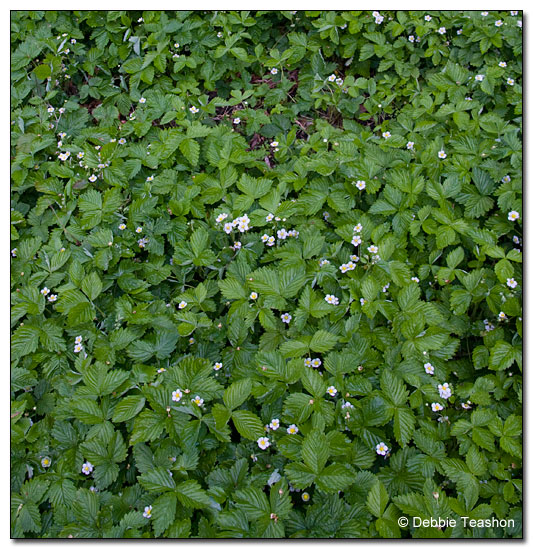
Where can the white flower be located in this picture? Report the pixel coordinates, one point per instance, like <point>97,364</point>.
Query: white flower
<point>499,23</point>
<point>510,81</point>
<point>428,367</point>
<point>193,109</point>
<point>271,241</point>
<point>197,400</point>
<point>286,317</point>
<point>356,240</point>
<point>516,240</point>
<point>513,13</point>
<point>78,348</point>
<point>237,245</point>
<point>87,468</point>
<point>513,215</point>
<point>161,370</point>
<point>176,45</point>
<point>80,155</point>
<point>64,156</point>
<point>45,291</point>
<point>360,185</point>
<point>444,390</point>
<point>142,242</point>
<point>142,100</point>
<point>331,299</point>
<point>442,154</point>
<point>316,362</point>
<point>253,295</point>
<point>46,461</point>
<point>221,217</point>
<point>375,14</point>
<point>237,120</point>
<point>273,70</point>
<point>228,227</point>
<point>502,316</point>
<point>436,407</point>
<point>220,34</point>
<point>354,257</point>
<point>373,249</point>
<point>147,512</point>
<point>52,298</point>
<point>468,99</point>
<point>140,20</point>
<point>14,252</point>
<point>358,228</point>
<point>459,31</point>
<point>308,362</point>
<point>386,135</point>
<point>292,429</point>
<point>50,109</point>
<point>347,404</point>
<point>263,443</point>
<point>331,391</point>
<point>61,111</point>
<point>306,497</point>
<point>273,144</point>
<point>217,366</point>
<point>480,77</point>
<point>362,301</point>
<point>502,64</point>
<point>379,19</point>
<point>274,424</point>
<point>411,38</point>
<point>323,262</point>
<point>382,448</point>
<point>410,145</point>
<point>139,230</point>
<point>442,30</point>
<point>325,215</point>
<point>122,226</point>
<point>331,78</point>
<point>182,304</point>
<point>415,279</point>
<point>427,17</point>
<point>339,81</point>
<point>282,234</point>
<point>269,217</point>
<point>176,395</point>
<point>191,340</point>
<point>484,13</point>
<point>506,179</point>
<point>512,283</point>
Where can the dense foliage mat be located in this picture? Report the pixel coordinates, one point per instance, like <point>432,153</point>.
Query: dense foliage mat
<point>266,274</point>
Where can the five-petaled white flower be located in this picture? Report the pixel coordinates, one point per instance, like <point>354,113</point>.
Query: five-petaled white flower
<point>459,31</point>
<point>282,234</point>
<point>512,283</point>
<point>513,215</point>
<point>410,145</point>
<point>306,497</point>
<point>506,179</point>
<point>502,64</point>
<point>331,299</point>
<point>197,400</point>
<point>237,120</point>
<point>147,513</point>
<point>14,252</point>
<point>382,448</point>
<point>510,82</point>
<point>386,135</point>
<point>273,70</point>
<point>427,17</point>
<point>217,366</point>
<point>436,407</point>
<point>274,424</point>
<point>442,30</point>
<point>263,443</point>
<point>122,226</point>
<point>52,298</point>
<point>358,228</point>
<point>356,240</point>
<point>498,23</point>
<point>411,38</point>
<point>87,468</point>
<point>480,77</point>
<point>442,154</point>
<point>142,100</point>
<point>176,395</point>
<point>142,242</point>
<point>415,279</point>
<point>360,185</point>
<point>45,291</point>
<point>428,367</point>
<point>182,305</point>
<point>502,316</point>
<point>444,390</point>
<point>221,217</point>
<point>331,391</point>
<point>373,249</point>
<point>193,109</point>
<point>220,34</point>
<point>271,241</point>
<point>121,141</point>
<point>92,178</point>
<point>253,295</point>
<point>46,461</point>
<point>323,262</point>
<point>286,317</point>
<point>484,13</point>
<point>332,78</point>
<point>292,429</point>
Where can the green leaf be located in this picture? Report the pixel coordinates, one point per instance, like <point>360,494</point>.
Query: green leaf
<point>248,424</point>
<point>237,393</point>
<point>128,407</point>
<point>377,499</point>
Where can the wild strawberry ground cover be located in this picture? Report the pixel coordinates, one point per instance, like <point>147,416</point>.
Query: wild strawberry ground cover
<point>266,274</point>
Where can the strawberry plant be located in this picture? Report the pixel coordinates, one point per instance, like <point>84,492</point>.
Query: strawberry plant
<point>266,274</point>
